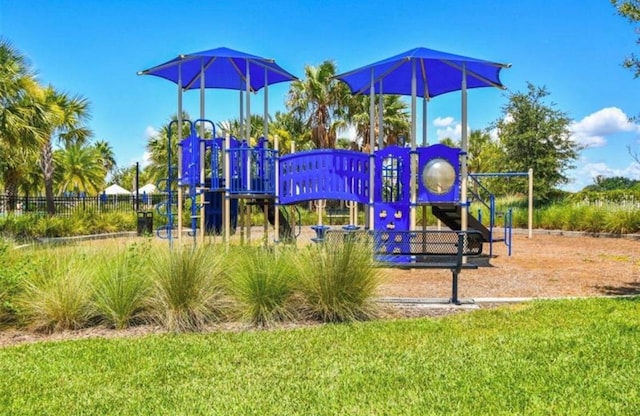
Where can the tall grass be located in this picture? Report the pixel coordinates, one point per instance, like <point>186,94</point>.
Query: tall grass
<point>262,283</point>
<point>121,285</point>
<point>338,282</point>
<point>57,294</point>
<point>14,267</point>
<point>187,287</point>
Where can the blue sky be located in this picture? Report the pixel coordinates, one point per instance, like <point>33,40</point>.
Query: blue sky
<point>574,49</point>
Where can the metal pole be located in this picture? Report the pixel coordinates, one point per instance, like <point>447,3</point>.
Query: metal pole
<point>425,142</point>
<point>463,157</point>
<point>227,183</point>
<point>276,203</point>
<point>137,186</point>
<point>414,155</point>
<point>265,121</point>
<point>530,219</point>
<point>248,103</point>
<point>380,118</point>
<point>371,152</point>
<point>179,156</point>
<point>202,151</point>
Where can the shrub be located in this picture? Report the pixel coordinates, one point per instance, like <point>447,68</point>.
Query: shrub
<point>338,282</point>
<point>187,287</point>
<point>261,282</point>
<point>622,220</point>
<point>15,266</point>
<point>121,285</point>
<point>57,294</point>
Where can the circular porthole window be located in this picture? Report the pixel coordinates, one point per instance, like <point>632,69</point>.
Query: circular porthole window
<point>438,176</point>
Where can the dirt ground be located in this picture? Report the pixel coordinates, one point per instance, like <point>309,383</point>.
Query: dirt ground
<point>542,266</point>
<point>547,265</point>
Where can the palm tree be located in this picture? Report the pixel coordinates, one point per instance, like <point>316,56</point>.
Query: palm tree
<point>396,121</point>
<point>321,101</point>
<point>290,129</point>
<point>20,114</point>
<point>65,124</point>
<point>157,146</point>
<point>233,128</point>
<point>80,169</point>
<point>106,154</point>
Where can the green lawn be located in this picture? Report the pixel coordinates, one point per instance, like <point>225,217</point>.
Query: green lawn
<point>561,357</point>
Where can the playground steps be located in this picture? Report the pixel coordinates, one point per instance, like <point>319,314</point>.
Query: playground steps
<point>451,216</point>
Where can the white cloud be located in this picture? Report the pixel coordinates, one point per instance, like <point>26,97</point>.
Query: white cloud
<point>146,159</point>
<point>447,127</point>
<point>443,121</point>
<point>586,173</point>
<point>592,130</point>
<point>150,132</point>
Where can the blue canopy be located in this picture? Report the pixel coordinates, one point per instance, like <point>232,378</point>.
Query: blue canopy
<point>222,68</point>
<point>436,73</point>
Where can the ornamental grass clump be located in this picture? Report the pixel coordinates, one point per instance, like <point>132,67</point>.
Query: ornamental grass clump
<point>186,289</point>
<point>57,293</point>
<point>338,282</point>
<point>261,284</point>
<point>15,266</point>
<point>122,285</point>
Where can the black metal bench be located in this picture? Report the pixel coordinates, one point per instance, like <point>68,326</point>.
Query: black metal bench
<point>420,249</point>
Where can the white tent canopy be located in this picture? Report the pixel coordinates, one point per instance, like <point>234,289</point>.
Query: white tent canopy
<point>116,189</point>
<point>148,189</point>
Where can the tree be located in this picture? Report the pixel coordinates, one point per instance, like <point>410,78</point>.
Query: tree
<point>535,135</point>
<point>396,122</point>
<point>64,124</point>
<point>290,129</point>
<point>484,154</point>
<point>106,155</point>
<point>80,169</point>
<point>630,10</point>
<point>448,141</point>
<point>20,114</point>
<point>321,101</point>
<point>158,149</point>
<point>235,129</point>
<point>601,183</point>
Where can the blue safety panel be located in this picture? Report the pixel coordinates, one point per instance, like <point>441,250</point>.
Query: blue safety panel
<point>253,169</point>
<point>391,216</point>
<point>324,174</point>
<point>213,212</point>
<point>393,175</point>
<point>190,148</point>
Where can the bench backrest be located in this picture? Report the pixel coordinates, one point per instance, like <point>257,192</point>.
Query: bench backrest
<point>428,243</point>
<point>412,243</point>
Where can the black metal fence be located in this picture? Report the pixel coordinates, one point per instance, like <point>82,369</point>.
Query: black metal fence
<point>67,205</point>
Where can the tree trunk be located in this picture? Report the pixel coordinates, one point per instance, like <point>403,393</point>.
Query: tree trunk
<point>11,178</point>
<point>46,164</point>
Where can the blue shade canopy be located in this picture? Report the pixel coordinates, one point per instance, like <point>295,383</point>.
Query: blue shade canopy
<point>436,73</point>
<point>222,68</point>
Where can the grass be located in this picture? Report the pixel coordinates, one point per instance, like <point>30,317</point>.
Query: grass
<point>262,283</point>
<point>57,294</point>
<point>338,282</point>
<point>121,285</point>
<point>560,357</point>
<point>187,287</point>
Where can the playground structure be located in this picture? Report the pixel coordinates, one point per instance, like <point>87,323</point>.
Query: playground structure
<point>243,175</point>
<point>392,183</point>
